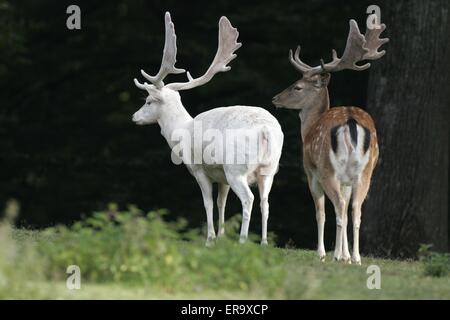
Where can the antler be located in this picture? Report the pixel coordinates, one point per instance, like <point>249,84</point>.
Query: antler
<point>169,58</point>
<point>225,53</point>
<point>300,65</point>
<point>373,42</point>
<point>358,48</point>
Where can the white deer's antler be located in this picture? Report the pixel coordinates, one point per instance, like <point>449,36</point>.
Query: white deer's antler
<point>225,53</point>
<point>168,61</point>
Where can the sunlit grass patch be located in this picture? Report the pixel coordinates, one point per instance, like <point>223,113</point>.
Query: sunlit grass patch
<point>127,254</point>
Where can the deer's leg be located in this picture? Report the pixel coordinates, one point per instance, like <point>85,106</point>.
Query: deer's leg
<point>332,188</point>
<point>240,186</point>
<point>346,193</point>
<point>319,202</point>
<point>221,202</point>
<point>207,192</point>
<point>360,190</point>
<point>264,186</point>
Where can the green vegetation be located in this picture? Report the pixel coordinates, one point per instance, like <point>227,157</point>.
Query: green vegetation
<point>131,255</point>
<point>436,264</point>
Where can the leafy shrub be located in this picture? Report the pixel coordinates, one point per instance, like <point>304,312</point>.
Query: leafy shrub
<point>135,248</point>
<point>19,262</point>
<point>117,246</point>
<point>435,264</point>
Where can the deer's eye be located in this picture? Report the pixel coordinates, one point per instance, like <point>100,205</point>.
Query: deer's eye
<point>298,88</point>
<point>148,103</point>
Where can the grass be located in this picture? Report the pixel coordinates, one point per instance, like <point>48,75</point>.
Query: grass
<point>129,255</point>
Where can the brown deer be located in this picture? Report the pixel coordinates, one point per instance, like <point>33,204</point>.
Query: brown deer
<point>340,147</point>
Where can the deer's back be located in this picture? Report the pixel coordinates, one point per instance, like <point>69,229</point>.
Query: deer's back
<point>246,161</point>
<point>343,141</point>
<point>237,117</point>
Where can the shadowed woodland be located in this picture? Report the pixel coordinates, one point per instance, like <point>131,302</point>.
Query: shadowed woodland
<point>68,146</point>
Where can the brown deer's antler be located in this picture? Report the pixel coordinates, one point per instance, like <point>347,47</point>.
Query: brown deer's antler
<point>358,48</point>
<point>373,42</point>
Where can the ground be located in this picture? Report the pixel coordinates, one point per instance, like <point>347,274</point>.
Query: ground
<point>129,255</point>
<point>307,278</point>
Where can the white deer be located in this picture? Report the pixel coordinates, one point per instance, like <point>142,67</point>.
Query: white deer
<point>163,106</point>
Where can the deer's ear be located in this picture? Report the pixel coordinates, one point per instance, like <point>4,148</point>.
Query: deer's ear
<point>323,80</point>
<point>154,93</point>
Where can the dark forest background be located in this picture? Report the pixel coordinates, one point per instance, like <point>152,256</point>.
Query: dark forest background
<point>68,146</point>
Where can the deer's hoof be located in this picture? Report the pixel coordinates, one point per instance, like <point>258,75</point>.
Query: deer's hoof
<point>347,260</point>
<point>210,242</point>
<point>322,254</point>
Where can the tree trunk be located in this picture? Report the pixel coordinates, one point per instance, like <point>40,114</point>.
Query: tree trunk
<point>408,98</point>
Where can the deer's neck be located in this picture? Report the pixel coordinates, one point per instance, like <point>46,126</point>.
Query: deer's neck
<point>174,117</point>
<point>311,113</point>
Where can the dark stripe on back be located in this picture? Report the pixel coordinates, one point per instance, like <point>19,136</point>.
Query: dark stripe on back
<point>353,131</point>
<point>366,139</point>
<point>334,138</point>
<point>353,135</point>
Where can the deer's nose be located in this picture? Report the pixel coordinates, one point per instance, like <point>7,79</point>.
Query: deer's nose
<point>275,100</point>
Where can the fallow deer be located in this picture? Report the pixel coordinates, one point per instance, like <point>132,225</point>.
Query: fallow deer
<point>340,147</point>
<point>163,106</point>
